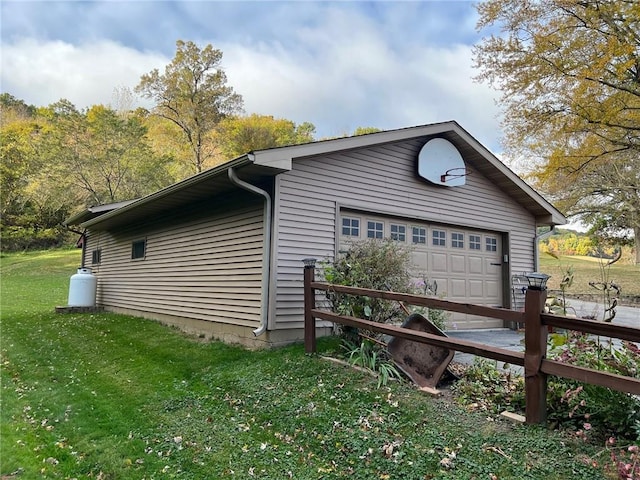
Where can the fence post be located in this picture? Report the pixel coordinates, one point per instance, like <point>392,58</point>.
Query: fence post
<point>535,349</point>
<point>309,304</point>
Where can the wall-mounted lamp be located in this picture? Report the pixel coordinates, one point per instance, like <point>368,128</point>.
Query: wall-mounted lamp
<point>537,280</point>
<point>309,262</point>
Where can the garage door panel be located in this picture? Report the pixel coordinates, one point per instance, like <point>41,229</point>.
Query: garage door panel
<point>443,286</point>
<point>439,262</point>
<point>458,263</point>
<point>492,265</point>
<point>476,264</point>
<point>476,289</point>
<point>419,261</point>
<point>492,289</point>
<point>457,288</point>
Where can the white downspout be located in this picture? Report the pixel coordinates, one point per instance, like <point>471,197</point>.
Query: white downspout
<point>266,247</point>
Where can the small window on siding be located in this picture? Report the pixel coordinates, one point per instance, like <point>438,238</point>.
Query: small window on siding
<point>138,249</point>
<point>96,256</point>
<point>375,229</point>
<point>457,240</point>
<point>398,232</point>
<point>350,227</point>
<point>474,242</point>
<point>439,238</point>
<point>491,244</point>
<point>419,235</point>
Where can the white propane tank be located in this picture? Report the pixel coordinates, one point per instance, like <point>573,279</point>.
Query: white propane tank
<point>82,289</point>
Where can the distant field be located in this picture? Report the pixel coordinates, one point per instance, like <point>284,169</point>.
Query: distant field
<point>588,269</point>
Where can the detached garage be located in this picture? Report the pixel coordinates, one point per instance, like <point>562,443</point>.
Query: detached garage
<point>220,253</point>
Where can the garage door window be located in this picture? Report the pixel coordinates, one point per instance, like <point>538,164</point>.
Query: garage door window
<point>439,238</point>
<point>398,233</point>
<point>457,240</point>
<point>474,242</point>
<point>350,227</point>
<point>419,235</point>
<point>491,244</point>
<point>375,229</point>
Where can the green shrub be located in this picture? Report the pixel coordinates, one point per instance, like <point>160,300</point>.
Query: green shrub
<point>373,264</point>
<point>572,404</point>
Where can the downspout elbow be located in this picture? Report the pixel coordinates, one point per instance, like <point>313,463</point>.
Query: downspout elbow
<point>266,254</point>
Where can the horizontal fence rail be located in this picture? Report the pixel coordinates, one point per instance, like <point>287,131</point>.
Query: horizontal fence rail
<point>422,301</point>
<point>494,353</point>
<point>536,323</point>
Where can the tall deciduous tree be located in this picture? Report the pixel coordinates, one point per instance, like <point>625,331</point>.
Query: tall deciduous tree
<point>101,156</point>
<point>569,73</point>
<point>192,93</point>
<point>237,135</point>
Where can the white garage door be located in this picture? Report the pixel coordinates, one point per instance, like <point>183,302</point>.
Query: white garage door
<point>465,264</point>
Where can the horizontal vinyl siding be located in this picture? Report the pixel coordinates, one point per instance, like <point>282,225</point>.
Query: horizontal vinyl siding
<point>379,180</point>
<point>204,262</point>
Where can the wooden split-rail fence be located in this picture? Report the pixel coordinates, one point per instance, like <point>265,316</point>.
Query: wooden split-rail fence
<point>536,326</point>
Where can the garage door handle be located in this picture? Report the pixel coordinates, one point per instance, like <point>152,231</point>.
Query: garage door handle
<point>497,264</point>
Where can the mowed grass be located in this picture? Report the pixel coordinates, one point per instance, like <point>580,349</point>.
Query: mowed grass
<point>108,396</point>
<point>588,269</point>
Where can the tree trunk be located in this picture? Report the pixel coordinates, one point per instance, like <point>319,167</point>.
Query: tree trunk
<point>636,233</point>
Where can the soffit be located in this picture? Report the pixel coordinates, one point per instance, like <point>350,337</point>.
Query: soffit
<point>211,183</point>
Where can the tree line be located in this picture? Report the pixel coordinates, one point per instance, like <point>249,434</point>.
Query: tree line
<point>58,158</point>
<point>568,74</point>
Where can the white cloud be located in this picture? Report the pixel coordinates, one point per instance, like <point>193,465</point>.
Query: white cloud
<point>42,72</point>
<point>339,70</point>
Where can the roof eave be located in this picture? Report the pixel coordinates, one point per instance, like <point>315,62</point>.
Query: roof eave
<point>552,215</point>
<point>171,189</point>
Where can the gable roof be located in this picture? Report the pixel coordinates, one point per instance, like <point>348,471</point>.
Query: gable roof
<point>260,164</point>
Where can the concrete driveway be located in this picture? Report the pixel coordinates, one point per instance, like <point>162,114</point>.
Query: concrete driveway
<point>514,340</point>
<point>628,316</point>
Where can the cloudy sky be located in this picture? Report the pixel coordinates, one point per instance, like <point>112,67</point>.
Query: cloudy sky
<point>338,65</point>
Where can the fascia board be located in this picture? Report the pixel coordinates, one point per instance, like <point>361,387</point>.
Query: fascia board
<point>556,217</point>
<point>282,157</point>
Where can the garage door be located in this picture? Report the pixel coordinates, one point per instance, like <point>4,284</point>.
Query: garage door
<point>465,264</point>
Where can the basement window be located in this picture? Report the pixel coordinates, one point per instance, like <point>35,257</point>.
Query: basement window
<point>96,256</point>
<point>138,249</point>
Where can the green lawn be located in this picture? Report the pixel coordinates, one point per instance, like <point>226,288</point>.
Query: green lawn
<point>108,396</point>
<point>588,269</point>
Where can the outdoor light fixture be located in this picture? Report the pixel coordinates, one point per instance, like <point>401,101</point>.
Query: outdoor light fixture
<point>309,262</point>
<point>537,280</point>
